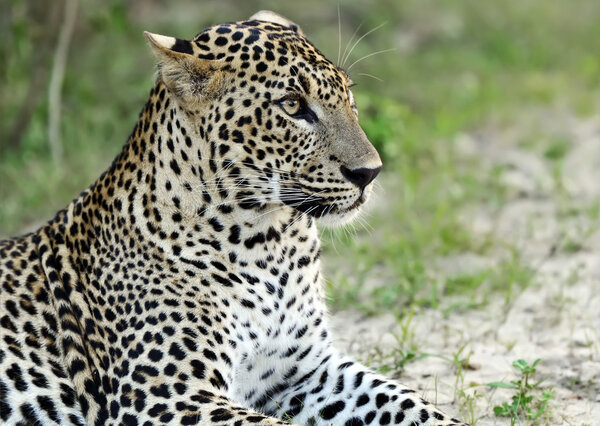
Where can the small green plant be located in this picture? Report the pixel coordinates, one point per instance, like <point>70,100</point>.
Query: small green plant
<point>467,405</point>
<point>399,358</point>
<point>404,353</point>
<point>529,401</point>
<point>557,149</point>
<point>460,361</point>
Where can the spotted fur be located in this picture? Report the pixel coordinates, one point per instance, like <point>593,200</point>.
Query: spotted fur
<point>183,287</point>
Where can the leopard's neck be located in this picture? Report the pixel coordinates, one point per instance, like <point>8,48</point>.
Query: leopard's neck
<point>153,203</point>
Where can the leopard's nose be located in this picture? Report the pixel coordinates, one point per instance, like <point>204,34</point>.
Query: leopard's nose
<point>360,177</point>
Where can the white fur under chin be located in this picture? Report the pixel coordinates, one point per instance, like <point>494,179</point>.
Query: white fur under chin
<point>336,220</point>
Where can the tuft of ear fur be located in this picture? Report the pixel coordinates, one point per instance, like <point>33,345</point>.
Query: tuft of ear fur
<point>191,79</point>
<point>269,16</point>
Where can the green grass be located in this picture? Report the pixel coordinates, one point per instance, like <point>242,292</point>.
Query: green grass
<point>470,65</point>
<point>403,353</point>
<point>456,67</point>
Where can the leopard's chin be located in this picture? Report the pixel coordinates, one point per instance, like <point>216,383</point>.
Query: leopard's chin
<point>337,217</point>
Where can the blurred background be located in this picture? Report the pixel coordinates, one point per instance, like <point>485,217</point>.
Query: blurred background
<point>436,82</point>
<point>485,114</point>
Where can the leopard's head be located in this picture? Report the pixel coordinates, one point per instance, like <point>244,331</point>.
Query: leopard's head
<point>274,122</point>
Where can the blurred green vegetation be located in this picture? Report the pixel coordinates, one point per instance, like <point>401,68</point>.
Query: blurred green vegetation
<point>454,68</point>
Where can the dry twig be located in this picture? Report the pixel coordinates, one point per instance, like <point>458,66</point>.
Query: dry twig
<point>57,77</point>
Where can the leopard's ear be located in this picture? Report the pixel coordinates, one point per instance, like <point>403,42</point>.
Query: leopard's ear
<point>190,78</point>
<point>268,16</point>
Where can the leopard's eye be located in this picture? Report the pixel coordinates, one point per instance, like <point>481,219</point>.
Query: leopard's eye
<point>298,109</point>
<point>290,106</point>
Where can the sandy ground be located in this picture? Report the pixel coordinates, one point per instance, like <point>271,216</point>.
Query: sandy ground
<point>557,318</point>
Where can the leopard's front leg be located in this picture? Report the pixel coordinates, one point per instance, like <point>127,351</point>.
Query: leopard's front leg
<point>342,392</point>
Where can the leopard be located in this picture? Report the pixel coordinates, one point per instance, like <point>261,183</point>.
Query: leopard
<point>184,285</point>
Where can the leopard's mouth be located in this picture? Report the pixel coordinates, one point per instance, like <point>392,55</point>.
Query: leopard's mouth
<point>359,202</point>
<point>313,207</point>
<point>319,207</point>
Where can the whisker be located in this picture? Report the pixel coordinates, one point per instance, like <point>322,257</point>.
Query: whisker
<point>339,35</point>
<point>350,41</point>
<point>279,207</point>
<point>369,55</point>
<point>315,194</point>
<point>295,202</point>
<point>358,41</point>
<point>346,229</point>
<point>245,183</point>
<point>306,213</point>
<point>332,239</point>
<point>370,75</point>
<point>365,224</point>
<point>229,163</point>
